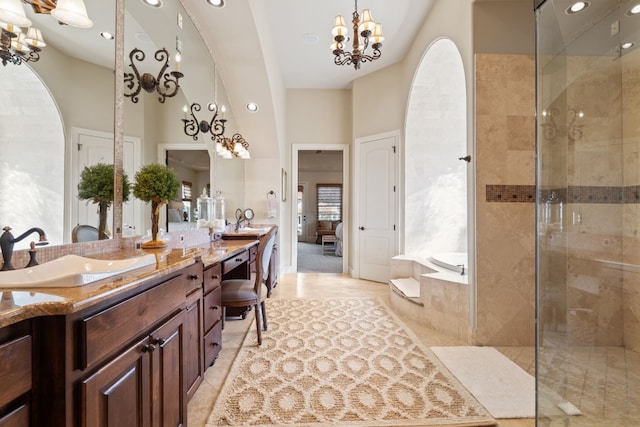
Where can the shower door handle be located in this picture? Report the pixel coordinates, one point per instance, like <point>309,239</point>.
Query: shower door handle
<point>361,228</point>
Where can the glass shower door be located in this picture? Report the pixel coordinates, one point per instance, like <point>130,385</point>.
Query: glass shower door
<point>588,182</point>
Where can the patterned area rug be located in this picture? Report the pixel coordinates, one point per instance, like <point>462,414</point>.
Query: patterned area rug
<point>340,362</point>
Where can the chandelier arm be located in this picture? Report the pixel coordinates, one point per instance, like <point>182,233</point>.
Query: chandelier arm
<point>33,56</point>
<point>343,59</point>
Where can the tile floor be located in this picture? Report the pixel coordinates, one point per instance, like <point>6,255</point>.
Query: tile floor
<point>310,285</point>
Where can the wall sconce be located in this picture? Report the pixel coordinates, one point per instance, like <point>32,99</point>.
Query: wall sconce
<point>236,146</point>
<point>215,127</point>
<point>166,84</point>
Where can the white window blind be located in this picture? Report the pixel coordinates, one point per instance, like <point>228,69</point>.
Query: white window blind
<point>329,198</point>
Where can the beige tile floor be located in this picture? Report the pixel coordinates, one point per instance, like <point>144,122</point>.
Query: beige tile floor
<point>310,285</point>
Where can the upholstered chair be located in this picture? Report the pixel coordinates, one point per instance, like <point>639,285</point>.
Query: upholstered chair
<point>339,240</point>
<point>248,292</point>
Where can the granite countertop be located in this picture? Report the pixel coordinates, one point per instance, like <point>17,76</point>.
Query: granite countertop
<point>25,303</point>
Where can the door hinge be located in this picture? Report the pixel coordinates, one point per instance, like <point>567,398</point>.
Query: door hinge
<point>394,188</point>
<point>394,148</point>
<point>394,227</point>
<point>79,147</point>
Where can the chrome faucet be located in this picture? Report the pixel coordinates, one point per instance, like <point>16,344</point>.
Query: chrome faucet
<point>7,241</point>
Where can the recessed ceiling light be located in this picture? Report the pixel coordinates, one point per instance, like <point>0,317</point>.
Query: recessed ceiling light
<point>216,3</point>
<point>252,106</point>
<point>578,6</point>
<point>634,10</point>
<point>311,38</point>
<point>143,37</point>
<point>627,45</point>
<point>153,3</point>
<point>106,35</point>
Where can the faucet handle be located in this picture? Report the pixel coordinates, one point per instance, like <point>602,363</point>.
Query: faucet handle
<point>6,228</point>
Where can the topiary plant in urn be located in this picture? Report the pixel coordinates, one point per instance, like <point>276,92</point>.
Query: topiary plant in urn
<point>157,184</point>
<point>96,185</point>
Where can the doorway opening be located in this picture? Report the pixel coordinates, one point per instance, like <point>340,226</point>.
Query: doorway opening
<point>320,177</point>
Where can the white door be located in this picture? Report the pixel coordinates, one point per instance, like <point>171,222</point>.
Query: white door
<point>89,148</point>
<point>377,219</point>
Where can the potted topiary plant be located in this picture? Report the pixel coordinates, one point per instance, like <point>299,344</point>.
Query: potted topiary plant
<point>157,184</point>
<point>96,185</point>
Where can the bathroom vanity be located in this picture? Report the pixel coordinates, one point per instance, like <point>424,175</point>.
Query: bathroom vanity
<point>124,352</point>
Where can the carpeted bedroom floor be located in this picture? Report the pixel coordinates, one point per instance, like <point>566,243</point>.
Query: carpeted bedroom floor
<point>312,260</point>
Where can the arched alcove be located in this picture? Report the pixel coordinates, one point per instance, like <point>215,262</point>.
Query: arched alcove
<point>32,144</point>
<point>436,137</point>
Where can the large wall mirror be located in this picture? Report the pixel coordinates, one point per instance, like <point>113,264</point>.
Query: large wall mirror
<point>58,115</point>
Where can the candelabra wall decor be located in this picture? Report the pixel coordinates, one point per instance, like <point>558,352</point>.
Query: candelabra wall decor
<point>165,84</point>
<point>215,127</point>
<point>550,127</point>
<point>365,32</point>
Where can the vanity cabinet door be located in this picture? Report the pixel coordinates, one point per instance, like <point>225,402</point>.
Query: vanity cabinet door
<point>119,394</point>
<point>169,397</point>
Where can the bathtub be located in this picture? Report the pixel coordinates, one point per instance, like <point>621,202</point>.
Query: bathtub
<point>453,261</point>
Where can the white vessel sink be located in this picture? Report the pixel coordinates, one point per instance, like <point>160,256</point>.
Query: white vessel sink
<point>70,271</point>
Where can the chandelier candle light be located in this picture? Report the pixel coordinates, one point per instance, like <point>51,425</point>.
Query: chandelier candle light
<point>166,84</point>
<point>365,32</point>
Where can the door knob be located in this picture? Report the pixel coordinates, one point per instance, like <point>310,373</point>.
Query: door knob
<point>362,228</point>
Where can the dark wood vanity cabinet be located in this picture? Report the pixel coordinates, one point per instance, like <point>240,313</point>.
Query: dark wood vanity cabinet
<point>127,361</point>
<point>142,386</point>
<point>15,375</point>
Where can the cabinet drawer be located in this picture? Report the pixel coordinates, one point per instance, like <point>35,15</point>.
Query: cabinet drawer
<point>16,418</point>
<point>212,344</point>
<point>193,277</point>
<point>212,277</point>
<point>110,329</point>
<point>15,368</point>
<point>212,308</point>
<point>234,262</point>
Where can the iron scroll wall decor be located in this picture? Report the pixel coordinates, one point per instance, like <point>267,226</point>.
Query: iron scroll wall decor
<point>165,83</point>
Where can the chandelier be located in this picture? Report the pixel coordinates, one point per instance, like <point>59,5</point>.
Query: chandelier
<point>166,84</point>
<point>215,127</point>
<point>17,45</point>
<point>365,32</point>
<point>236,146</point>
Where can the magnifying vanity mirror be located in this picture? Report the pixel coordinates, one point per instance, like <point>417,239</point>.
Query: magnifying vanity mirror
<point>248,214</point>
<point>69,94</point>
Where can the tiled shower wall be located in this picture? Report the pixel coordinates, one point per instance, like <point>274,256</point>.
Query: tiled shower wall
<point>505,172</point>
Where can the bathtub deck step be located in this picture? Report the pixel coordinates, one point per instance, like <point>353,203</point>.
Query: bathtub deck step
<point>408,288</point>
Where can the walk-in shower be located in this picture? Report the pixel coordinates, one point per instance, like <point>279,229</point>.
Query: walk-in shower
<point>588,189</point>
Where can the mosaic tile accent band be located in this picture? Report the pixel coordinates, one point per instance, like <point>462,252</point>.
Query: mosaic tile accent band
<point>511,193</point>
<point>571,194</point>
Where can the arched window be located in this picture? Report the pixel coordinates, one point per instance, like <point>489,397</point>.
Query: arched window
<point>436,137</point>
